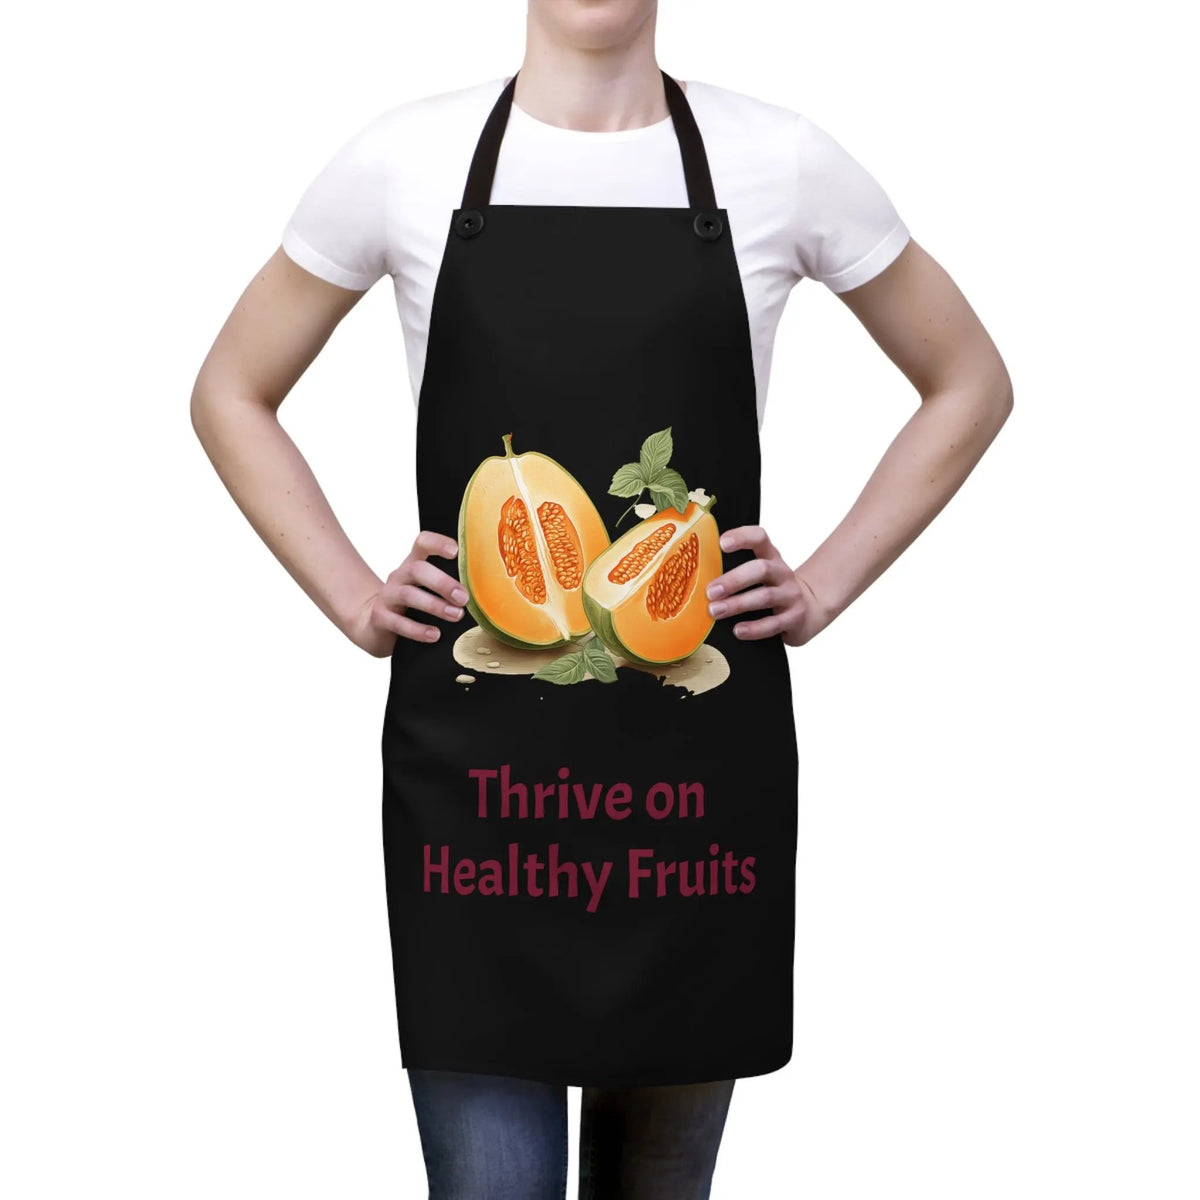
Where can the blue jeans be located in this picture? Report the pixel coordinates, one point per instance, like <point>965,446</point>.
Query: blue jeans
<point>490,1137</point>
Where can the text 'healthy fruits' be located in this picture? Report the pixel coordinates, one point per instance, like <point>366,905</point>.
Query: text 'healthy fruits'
<point>526,534</point>
<point>645,594</point>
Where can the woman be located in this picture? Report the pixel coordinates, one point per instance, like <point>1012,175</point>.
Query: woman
<point>590,883</point>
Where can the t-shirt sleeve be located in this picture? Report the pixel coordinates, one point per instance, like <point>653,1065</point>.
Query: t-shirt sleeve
<point>338,230</point>
<point>847,229</point>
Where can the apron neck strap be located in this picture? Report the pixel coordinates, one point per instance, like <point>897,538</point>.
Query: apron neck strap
<point>478,189</point>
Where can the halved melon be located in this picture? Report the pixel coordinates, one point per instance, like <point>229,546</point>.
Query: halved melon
<point>644,595</point>
<point>526,533</point>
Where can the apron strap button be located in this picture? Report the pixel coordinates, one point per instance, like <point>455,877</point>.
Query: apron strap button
<point>468,222</point>
<point>708,225</point>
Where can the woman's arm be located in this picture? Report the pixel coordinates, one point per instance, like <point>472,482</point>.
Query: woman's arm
<point>923,323</point>
<point>278,326</point>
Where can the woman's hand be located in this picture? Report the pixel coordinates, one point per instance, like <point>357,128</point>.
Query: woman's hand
<point>415,584</point>
<point>765,582</point>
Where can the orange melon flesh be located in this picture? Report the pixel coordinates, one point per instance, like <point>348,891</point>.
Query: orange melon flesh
<point>645,594</point>
<point>527,531</point>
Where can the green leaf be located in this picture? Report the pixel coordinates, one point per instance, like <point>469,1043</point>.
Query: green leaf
<point>599,663</point>
<point>669,491</point>
<point>628,481</point>
<point>656,453</point>
<point>568,668</point>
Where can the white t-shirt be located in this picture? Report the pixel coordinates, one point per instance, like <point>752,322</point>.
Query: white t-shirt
<point>799,205</point>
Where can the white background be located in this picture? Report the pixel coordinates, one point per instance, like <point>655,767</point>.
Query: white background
<point>997,986</point>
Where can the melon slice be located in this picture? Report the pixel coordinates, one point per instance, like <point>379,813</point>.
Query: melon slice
<point>645,594</point>
<point>526,533</point>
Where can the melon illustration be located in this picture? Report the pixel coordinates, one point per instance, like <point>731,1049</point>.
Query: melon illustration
<point>526,533</point>
<point>644,594</point>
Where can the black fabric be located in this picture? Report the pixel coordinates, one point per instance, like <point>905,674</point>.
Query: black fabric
<point>691,147</point>
<point>582,330</point>
<point>478,188</point>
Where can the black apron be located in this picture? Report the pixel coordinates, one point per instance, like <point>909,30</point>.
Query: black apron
<point>590,872</point>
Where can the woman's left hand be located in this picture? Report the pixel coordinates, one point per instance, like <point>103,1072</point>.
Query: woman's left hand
<point>766,582</point>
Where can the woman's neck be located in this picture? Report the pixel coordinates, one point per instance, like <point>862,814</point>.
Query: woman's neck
<point>590,89</point>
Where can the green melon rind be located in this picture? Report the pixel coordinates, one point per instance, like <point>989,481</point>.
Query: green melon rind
<point>602,622</point>
<point>481,619</point>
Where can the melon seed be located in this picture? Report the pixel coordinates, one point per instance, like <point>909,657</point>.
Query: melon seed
<point>464,679</point>
<point>635,561</point>
<point>519,551</point>
<point>494,663</point>
<point>673,581</point>
<point>562,540</point>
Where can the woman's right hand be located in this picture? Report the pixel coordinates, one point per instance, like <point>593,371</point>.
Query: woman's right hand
<point>415,584</point>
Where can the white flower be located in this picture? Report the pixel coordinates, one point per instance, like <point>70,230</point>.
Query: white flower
<point>644,510</point>
<point>699,495</point>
